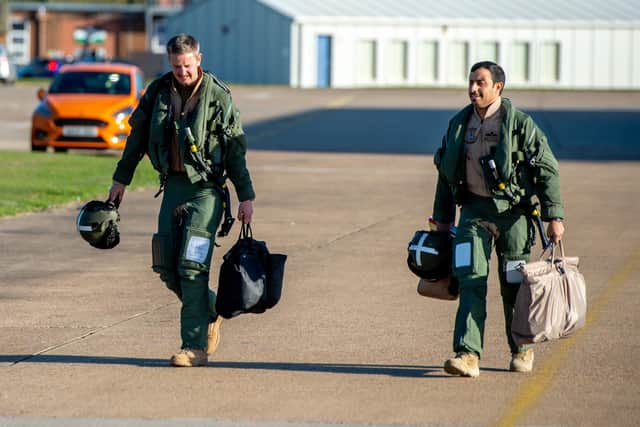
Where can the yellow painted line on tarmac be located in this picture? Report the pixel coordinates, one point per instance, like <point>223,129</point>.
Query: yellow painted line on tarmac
<point>543,376</point>
<point>339,102</point>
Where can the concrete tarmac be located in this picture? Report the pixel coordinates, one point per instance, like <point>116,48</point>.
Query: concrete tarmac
<point>85,334</point>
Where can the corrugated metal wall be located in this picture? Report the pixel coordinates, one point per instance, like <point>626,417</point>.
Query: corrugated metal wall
<point>602,57</point>
<point>242,41</point>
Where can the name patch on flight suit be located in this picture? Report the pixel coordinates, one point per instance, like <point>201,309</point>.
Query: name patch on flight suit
<point>491,137</point>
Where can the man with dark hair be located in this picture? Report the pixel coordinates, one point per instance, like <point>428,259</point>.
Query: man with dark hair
<point>493,161</point>
<point>187,124</point>
<point>497,73</point>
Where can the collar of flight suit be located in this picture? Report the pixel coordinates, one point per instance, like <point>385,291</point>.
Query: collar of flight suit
<point>491,110</point>
<point>181,105</point>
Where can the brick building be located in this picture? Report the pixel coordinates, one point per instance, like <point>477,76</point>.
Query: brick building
<point>131,30</point>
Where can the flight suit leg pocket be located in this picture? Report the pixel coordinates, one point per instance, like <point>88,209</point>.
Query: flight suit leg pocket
<point>163,253</point>
<point>164,259</point>
<point>197,249</point>
<point>510,268</point>
<point>471,256</point>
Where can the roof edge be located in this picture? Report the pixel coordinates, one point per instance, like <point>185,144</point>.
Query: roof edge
<point>521,23</point>
<point>76,7</point>
<point>278,9</point>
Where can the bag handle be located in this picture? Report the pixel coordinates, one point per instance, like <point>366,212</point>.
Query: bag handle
<point>245,232</point>
<point>555,261</point>
<point>561,259</point>
<point>561,249</point>
<point>552,246</point>
<point>549,248</point>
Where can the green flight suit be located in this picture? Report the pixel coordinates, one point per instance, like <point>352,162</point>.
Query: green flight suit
<point>191,207</point>
<point>527,168</point>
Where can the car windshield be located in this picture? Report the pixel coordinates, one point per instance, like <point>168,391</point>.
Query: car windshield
<point>99,82</point>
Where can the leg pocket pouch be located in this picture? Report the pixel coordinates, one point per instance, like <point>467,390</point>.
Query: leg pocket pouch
<point>163,253</point>
<point>197,249</point>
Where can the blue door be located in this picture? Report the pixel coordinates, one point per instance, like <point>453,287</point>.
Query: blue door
<point>324,61</point>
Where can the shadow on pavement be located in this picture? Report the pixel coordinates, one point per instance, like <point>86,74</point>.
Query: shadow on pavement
<point>573,135</point>
<point>14,359</point>
<point>404,371</point>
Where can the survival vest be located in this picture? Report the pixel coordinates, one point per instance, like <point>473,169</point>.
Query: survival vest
<point>521,146</point>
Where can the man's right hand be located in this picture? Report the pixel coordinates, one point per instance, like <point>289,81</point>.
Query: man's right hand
<point>116,192</point>
<point>442,226</point>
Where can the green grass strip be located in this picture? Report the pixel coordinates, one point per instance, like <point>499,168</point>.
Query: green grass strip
<point>36,181</point>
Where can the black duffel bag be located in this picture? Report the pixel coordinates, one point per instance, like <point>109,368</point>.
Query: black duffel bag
<point>250,278</point>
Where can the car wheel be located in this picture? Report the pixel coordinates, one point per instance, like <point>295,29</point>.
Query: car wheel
<point>60,149</point>
<point>38,147</point>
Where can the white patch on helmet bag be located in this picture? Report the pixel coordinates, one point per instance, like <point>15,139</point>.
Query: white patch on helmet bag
<point>197,249</point>
<point>85,228</point>
<point>463,255</point>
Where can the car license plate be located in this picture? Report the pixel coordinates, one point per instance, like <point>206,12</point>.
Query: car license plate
<point>80,131</point>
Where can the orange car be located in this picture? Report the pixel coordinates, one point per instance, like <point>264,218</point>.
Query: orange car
<point>87,106</point>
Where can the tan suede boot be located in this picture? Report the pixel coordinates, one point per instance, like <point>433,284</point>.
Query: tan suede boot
<point>464,364</point>
<point>522,361</point>
<point>189,357</point>
<point>213,335</point>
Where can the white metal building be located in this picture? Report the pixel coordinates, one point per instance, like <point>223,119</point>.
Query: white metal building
<point>568,44</point>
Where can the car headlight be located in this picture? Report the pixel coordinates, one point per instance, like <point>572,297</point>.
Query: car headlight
<point>122,115</point>
<point>43,110</point>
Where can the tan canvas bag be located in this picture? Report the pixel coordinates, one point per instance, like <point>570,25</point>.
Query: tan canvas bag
<point>551,301</point>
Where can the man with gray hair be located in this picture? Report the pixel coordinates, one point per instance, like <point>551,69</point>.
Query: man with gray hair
<point>189,127</point>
